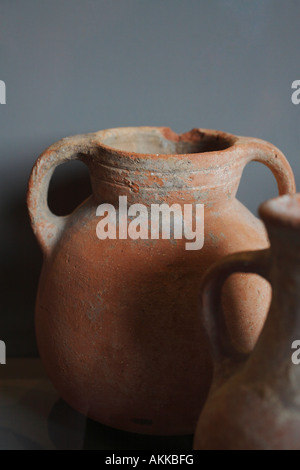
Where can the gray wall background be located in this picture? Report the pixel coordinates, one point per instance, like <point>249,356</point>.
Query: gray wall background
<point>74,66</point>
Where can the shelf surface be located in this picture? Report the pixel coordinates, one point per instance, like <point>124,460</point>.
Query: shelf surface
<point>33,416</point>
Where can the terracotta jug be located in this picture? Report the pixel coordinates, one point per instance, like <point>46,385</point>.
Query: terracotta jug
<point>254,401</point>
<point>116,320</point>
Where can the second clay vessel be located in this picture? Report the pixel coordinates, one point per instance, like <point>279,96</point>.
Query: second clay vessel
<point>254,400</point>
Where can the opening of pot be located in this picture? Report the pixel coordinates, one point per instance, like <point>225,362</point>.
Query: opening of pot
<point>162,141</point>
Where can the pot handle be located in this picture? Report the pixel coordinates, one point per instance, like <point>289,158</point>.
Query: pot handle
<point>259,150</point>
<point>221,345</point>
<point>46,226</point>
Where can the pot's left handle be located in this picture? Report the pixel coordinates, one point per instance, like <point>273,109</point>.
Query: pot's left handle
<point>48,227</point>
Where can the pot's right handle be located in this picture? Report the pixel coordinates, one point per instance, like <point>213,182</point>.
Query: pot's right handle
<point>221,345</point>
<point>259,150</point>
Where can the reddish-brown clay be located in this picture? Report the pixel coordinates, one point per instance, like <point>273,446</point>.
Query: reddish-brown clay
<point>254,400</point>
<point>116,320</point>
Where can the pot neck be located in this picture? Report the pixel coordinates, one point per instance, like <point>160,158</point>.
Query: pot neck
<point>208,173</point>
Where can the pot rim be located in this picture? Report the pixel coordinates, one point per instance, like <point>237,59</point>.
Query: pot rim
<point>228,141</point>
<point>282,211</point>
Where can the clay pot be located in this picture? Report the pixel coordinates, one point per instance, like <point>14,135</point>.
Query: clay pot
<point>116,320</point>
<point>254,401</point>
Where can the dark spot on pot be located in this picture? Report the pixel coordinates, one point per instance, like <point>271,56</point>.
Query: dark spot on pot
<point>134,187</point>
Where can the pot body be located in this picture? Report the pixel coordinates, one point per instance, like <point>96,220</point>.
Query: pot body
<point>117,322</point>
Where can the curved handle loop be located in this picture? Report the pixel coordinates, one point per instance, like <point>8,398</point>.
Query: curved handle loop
<point>256,262</point>
<point>47,227</point>
<point>264,152</point>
